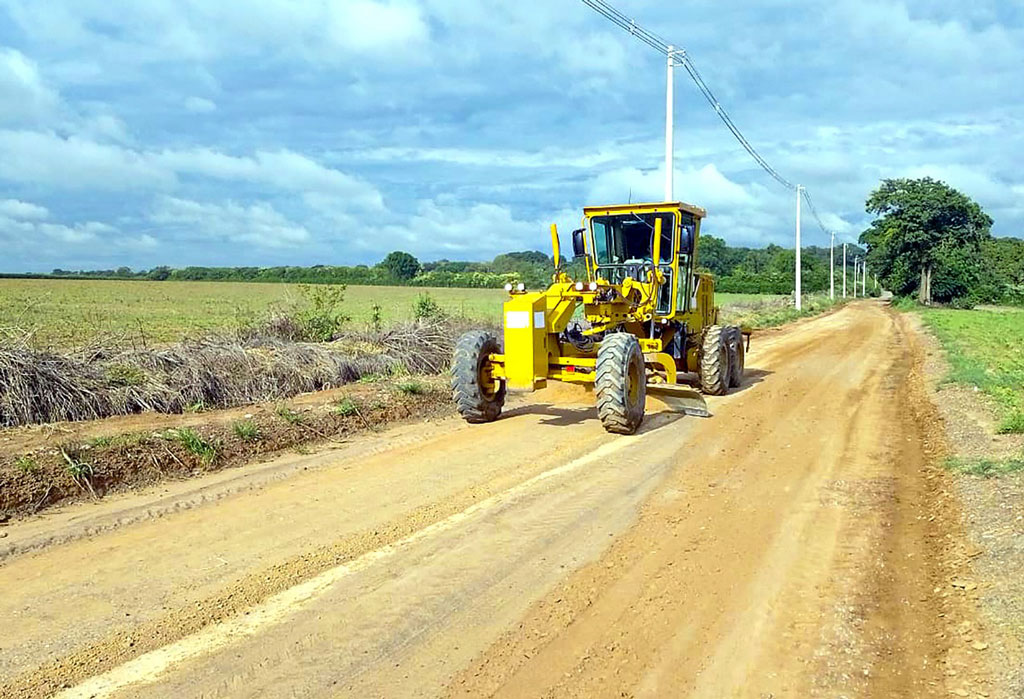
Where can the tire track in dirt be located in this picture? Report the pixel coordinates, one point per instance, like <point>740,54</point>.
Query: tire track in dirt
<point>823,586</point>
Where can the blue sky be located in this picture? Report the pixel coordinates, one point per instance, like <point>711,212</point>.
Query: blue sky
<point>229,133</point>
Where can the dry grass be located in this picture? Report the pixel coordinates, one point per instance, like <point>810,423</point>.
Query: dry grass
<point>38,386</point>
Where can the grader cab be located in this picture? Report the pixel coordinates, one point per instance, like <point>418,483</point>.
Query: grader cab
<point>648,317</point>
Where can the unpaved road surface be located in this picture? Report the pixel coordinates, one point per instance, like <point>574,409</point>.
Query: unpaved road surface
<point>787,546</point>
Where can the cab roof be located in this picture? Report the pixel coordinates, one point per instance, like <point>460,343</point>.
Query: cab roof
<point>641,208</point>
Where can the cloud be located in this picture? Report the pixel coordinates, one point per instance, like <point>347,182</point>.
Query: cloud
<point>73,162</point>
<point>24,97</point>
<point>22,210</point>
<point>463,129</point>
<point>255,224</point>
<point>199,105</point>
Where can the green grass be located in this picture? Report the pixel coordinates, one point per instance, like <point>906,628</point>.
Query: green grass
<point>345,407</point>
<point>290,416</point>
<point>26,464</point>
<point>986,468</point>
<point>985,349</point>
<point>202,448</point>
<point>64,312</point>
<point>246,430</point>
<point>411,387</point>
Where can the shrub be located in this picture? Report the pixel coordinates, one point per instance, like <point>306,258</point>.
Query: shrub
<point>426,308</point>
<point>322,318</point>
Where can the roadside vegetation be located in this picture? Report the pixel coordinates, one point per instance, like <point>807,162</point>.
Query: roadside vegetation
<point>69,468</point>
<point>985,349</point>
<point>308,345</point>
<point>761,312</point>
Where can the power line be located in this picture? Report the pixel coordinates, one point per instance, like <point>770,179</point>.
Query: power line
<point>682,58</point>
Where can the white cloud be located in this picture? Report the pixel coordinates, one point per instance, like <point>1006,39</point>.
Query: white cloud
<point>73,162</point>
<point>22,210</point>
<point>705,187</point>
<point>24,97</point>
<point>199,105</point>
<point>257,224</point>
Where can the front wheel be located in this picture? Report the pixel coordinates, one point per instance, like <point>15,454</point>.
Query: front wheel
<point>620,383</point>
<point>715,367</point>
<point>737,357</point>
<point>478,396</point>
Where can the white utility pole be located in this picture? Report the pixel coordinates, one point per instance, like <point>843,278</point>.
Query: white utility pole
<point>832,268</point>
<point>844,270</point>
<point>864,286</point>
<point>799,304</point>
<point>856,275</point>
<point>669,100</point>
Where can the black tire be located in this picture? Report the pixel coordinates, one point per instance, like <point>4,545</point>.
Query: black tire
<point>475,400</point>
<point>620,383</point>
<point>737,357</point>
<point>714,361</point>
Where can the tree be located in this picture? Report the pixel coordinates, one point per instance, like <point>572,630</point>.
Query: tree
<point>401,265</point>
<point>927,238</point>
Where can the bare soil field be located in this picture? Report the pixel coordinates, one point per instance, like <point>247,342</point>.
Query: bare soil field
<point>803,541</point>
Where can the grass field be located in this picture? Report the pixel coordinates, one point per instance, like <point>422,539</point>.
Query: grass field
<point>68,312</point>
<point>985,349</point>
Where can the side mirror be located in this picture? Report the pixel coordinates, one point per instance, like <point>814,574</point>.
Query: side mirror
<point>686,244</point>
<point>578,249</point>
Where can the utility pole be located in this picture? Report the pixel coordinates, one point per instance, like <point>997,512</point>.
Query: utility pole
<point>864,286</point>
<point>844,270</point>
<point>832,268</point>
<point>799,304</point>
<point>856,275</point>
<point>669,103</point>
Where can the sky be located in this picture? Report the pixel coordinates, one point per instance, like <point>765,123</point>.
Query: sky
<point>216,132</point>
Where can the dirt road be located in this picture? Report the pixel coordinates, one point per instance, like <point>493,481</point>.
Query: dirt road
<point>791,545</point>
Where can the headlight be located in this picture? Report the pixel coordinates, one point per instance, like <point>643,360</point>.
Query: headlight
<point>579,286</point>
<point>592,286</point>
<point>520,287</point>
<point>508,288</point>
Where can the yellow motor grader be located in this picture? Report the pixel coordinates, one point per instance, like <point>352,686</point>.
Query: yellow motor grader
<point>648,317</point>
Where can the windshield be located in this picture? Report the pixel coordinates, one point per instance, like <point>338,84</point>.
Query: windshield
<point>629,238</point>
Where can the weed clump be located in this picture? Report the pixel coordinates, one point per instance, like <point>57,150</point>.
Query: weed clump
<point>26,464</point>
<point>292,417</point>
<point>345,407</point>
<point>195,444</point>
<point>411,387</point>
<point>246,430</point>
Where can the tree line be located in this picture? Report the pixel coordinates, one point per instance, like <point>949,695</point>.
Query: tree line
<point>737,269</point>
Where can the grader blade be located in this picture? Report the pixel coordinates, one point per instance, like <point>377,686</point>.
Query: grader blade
<point>680,399</point>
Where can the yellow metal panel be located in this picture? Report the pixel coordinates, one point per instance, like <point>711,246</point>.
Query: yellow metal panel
<point>526,354</point>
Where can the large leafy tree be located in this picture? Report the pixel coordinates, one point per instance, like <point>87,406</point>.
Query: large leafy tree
<point>927,239</point>
<point>400,265</point>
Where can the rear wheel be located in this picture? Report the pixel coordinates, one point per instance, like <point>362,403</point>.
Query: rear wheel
<point>714,361</point>
<point>478,396</point>
<point>737,357</point>
<point>620,383</point>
